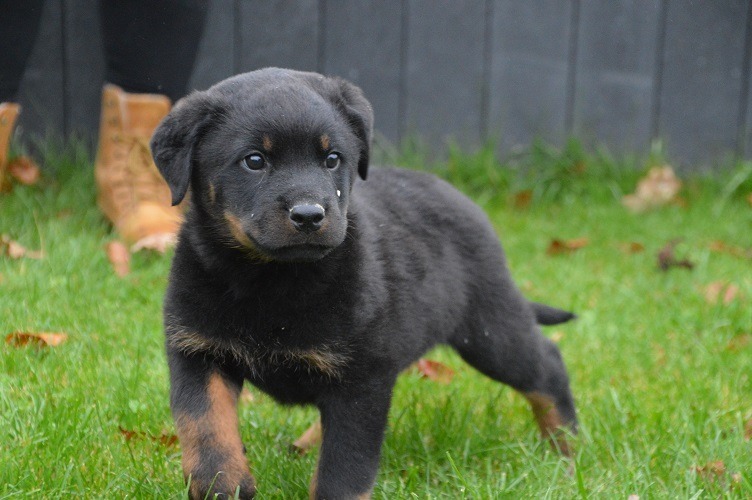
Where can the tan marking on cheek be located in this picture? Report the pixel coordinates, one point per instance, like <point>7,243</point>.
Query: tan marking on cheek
<point>325,142</point>
<point>236,229</point>
<point>266,142</point>
<point>212,193</point>
<point>549,420</point>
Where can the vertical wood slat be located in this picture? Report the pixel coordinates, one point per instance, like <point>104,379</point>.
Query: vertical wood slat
<point>702,79</point>
<point>41,93</point>
<point>615,73</point>
<point>529,65</point>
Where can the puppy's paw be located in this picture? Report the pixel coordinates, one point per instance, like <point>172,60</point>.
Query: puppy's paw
<point>221,485</point>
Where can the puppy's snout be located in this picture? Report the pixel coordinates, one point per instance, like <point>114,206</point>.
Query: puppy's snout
<point>307,218</point>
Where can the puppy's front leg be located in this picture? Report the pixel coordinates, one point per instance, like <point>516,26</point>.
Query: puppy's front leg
<point>204,405</point>
<point>353,429</point>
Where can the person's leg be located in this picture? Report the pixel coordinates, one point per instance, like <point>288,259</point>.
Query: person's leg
<point>20,23</point>
<point>150,48</point>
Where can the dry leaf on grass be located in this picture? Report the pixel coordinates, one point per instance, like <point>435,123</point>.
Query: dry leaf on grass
<point>24,170</point>
<point>557,336</point>
<point>738,343</point>
<point>711,471</point>
<point>165,439</point>
<point>15,250</point>
<point>119,257</point>
<point>558,247</point>
<point>667,258</point>
<point>46,339</point>
<point>723,247</point>
<point>522,199</point>
<point>659,187</point>
<point>309,439</point>
<point>748,430</point>
<point>435,371</point>
<point>632,247</point>
<point>720,290</point>
<point>749,199</point>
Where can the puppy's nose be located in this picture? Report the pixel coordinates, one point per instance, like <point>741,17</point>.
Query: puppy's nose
<point>307,218</point>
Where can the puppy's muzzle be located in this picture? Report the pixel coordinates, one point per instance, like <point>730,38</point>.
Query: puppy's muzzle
<point>307,218</point>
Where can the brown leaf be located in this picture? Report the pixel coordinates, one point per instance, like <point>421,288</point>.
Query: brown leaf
<point>632,247</point>
<point>309,439</point>
<point>720,290</point>
<point>633,496</point>
<point>558,247</point>
<point>119,257</point>
<point>557,336</point>
<point>749,199</point>
<point>711,471</point>
<point>46,339</point>
<point>723,247</point>
<point>667,259</point>
<point>659,187</point>
<point>24,170</point>
<point>165,439</point>
<point>739,342</point>
<point>435,371</point>
<point>522,199</point>
<point>15,250</point>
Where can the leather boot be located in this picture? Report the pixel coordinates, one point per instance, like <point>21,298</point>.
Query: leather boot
<point>8,114</point>
<point>131,192</point>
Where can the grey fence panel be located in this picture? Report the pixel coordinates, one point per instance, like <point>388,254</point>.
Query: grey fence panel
<point>528,79</point>
<point>362,42</point>
<point>84,66</point>
<point>278,33</point>
<point>216,55</point>
<point>41,93</point>
<point>702,78</point>
<point>444,70</point>
<point>615,73</point>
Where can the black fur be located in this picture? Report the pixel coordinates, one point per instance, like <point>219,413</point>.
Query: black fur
<point>402,262</point>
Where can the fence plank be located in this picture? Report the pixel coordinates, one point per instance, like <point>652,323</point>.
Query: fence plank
<point>41,92</point>
<point>530,53</point>
<point>215,59</point>
<point>444,79</point>
<point>84,68</point>
<point>278,33</point>
<point>362,42</point>
<point>615,73</point>
<point>702,79</point>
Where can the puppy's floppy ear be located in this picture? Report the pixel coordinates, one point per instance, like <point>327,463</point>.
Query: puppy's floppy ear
<point>360,115</point>
<point>174,140</point>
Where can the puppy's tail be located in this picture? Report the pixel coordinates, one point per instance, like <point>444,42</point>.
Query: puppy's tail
<point>547,315</point>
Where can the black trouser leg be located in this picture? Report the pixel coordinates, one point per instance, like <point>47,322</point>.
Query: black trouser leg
<point>19,24</point>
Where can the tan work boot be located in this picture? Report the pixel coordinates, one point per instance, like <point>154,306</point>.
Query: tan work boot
<point>8,114</point>
<point>131,191</point>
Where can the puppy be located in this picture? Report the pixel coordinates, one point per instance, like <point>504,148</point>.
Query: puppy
<point>320,288</point>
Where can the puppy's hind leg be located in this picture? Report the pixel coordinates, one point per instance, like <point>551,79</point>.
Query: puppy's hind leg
<point>507,346</point>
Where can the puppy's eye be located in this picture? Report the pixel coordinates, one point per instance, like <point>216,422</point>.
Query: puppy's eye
<point>332,161</point>
<point>254,161</point>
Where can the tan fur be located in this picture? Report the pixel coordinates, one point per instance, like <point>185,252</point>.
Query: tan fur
<point>236,229</point>
<point>267,143</point>
<point>212,194</point>
<point>325,142</point>
<point>549,420</point>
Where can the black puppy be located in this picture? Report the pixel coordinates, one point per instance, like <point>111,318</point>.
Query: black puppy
<point>321,290</point>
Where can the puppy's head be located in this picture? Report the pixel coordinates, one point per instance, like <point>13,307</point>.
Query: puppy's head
<point>271,157</point>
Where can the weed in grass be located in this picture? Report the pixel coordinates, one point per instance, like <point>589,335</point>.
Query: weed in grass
<point>661,377</point>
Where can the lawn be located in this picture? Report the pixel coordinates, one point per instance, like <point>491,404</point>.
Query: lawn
<point>660,369</point>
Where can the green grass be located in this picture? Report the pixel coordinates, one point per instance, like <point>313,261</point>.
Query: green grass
<point>661,376</point>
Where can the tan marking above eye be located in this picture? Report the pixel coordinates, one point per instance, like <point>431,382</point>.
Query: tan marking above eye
<point>212,193</point>
<point>267,143</point>
<point>325,143</point>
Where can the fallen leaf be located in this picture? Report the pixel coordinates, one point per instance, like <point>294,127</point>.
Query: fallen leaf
<point>246,396</point>
<point>633,497</point>
<point>659,187</point>
<point>632,247</point>
<point>522,199</point>
<point>46,339</point>
<point>309,439</point>
<point>165,439</point>
<point>24,170</point>
<point>667,259</point>
<point>749,199</point>
<point>711,471</point>
<point>558,247</point>
<point>723,247</point>
<point>119,257</point>
<point>748,430</point>
<point>557,336</point>
<point>435,371</point>
<point>15,250</point>
<point>720,290</point>
<point>739,342</point>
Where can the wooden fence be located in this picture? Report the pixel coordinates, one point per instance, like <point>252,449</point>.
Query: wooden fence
<point>617,73</point>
